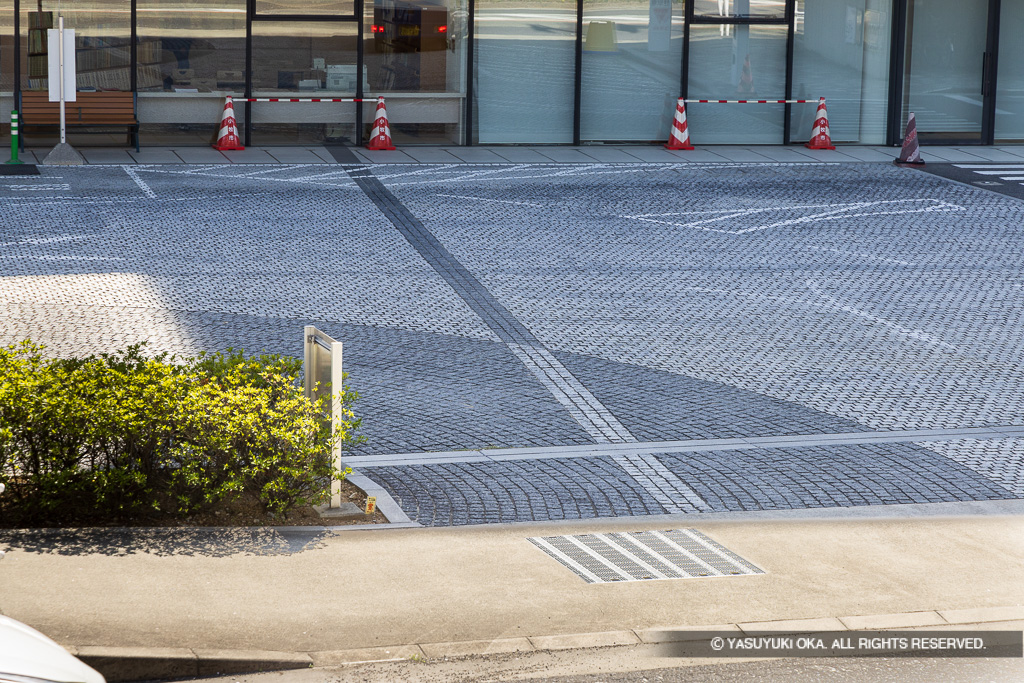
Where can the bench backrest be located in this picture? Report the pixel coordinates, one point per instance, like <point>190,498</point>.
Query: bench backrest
<point>90,107</point>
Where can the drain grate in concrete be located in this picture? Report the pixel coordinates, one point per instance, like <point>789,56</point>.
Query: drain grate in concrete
<point>643,555</point>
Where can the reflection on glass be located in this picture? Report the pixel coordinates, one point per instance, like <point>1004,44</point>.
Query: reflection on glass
<point>632,54</point>
<point>841,53</point>
<point>6,49</point>
<point>945,54</point>
<point>305,7</point>
<point>305,57</point>
<point>191,47</point>
<point>102,41</point>
<point>1010,90</point>
<point>525,63</point>
<point>749,64</point>
<point>415,45</point>
<point>740,9</point>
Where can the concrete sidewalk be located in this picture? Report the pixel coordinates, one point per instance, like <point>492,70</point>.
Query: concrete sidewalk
<point>541,154</point>
<point>187,596</point>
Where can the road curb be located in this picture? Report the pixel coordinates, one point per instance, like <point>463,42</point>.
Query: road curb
<point>119,664</point>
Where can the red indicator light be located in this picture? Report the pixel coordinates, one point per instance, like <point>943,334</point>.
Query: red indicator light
<point>442,29</point>
<point>374,28</point>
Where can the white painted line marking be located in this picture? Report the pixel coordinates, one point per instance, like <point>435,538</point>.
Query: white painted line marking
<point>972,167</point>
<point>61,258</point>
<point>49,240</point>
<point>39,188</point>
<point>836,212</point>
<point>499,201</point>
<point>862,255</point>
<point>919,335</point>
<point>138,181</point>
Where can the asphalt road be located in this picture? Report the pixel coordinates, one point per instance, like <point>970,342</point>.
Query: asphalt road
<point>1006,179</point>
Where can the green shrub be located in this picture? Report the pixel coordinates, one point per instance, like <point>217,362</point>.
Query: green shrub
<point>123,437</point>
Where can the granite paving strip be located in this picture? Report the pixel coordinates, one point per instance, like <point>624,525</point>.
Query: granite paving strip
<point>991,435</point>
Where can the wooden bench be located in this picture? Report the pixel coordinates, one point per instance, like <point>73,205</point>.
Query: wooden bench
<point>90,110</point>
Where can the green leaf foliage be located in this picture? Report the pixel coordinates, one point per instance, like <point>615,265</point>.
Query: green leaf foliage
<point>124,437</point>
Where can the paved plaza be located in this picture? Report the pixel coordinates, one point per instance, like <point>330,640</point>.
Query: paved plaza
<point>545,341</point>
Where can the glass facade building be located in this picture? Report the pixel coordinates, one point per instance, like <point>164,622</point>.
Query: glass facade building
<point>540,71</point>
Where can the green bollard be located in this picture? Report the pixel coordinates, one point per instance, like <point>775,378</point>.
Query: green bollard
<point>14,138</point>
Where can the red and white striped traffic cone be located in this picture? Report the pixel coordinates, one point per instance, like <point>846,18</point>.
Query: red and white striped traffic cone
<point>679,136</point>
<point>380,137</point>
<point>911,152</point>
<point>227,136</point>
<point>821,136</point>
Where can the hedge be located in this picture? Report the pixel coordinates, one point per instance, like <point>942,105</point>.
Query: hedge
<point>126,437</point>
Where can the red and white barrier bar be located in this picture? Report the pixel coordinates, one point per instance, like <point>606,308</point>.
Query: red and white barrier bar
<point>304,99</point>
<point>752,101</point>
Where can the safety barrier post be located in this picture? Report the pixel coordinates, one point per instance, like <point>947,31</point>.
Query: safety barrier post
<point>14,138</point>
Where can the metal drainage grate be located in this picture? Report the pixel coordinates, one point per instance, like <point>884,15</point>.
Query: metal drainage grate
<point>642,555</point>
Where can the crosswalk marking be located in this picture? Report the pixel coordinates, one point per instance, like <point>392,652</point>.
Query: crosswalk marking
<point>1011,173</point>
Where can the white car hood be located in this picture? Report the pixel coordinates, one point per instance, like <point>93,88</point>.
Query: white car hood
<point>25,651</point>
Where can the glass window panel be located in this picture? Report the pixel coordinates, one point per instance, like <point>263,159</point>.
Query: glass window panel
<point>1010,86</point>
<point>729,62</point>
<point>195,46</point>
<point>308,57</point>
<point>841,53</point>
<point>307,7</point>
<point>740,9</point>
<point>416,46</point>
<point>946,42</point>
<point>632,55</point>
<point>102,41</point>
<point>416,53</point>
<point>304,59</point>
<point>525,63</point>
<point>6,57</point>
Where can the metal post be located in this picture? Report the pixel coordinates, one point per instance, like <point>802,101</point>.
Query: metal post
<point>14,138</point>
<point>337,387</point>
<point>60,62</point>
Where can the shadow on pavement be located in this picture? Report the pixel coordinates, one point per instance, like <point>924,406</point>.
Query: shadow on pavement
<point>209,542</point>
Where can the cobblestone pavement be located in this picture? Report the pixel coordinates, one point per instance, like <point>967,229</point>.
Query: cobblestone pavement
<point>544,305</point>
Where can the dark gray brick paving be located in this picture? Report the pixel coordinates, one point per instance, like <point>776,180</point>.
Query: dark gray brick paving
<point>664,406</point>
<point>890,321</point>
<point>516,491</point>
<point>737,480</point>
<point>828,476</point>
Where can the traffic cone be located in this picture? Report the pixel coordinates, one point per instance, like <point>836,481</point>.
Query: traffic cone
<point>821,137</point>
<point>227,136</point>
<point>679,136</point>
<point>380,137</point>
<point>746,84</point>
<point>911,152</point>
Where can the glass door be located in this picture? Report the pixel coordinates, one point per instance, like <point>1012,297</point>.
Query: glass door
<point>950,60</point>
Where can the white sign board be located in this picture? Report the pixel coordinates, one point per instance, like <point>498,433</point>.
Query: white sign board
<point>53,64</point>
<point>659,30</point>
